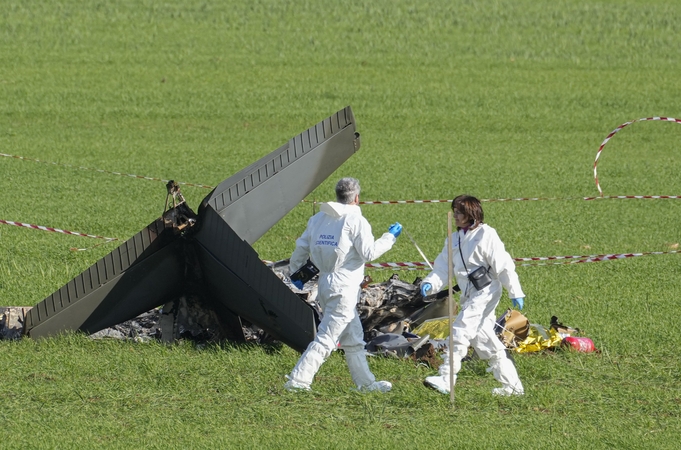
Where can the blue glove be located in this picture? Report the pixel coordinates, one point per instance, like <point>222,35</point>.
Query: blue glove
<point>425,288</point>
<point>518,302</point>
<point>298,284</point>
<point>395,229</point>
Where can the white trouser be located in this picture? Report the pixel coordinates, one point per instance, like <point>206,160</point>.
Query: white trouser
<point>474,326</point>
<point>340,324</point>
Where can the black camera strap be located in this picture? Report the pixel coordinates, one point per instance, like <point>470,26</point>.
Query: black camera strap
<point>461,253</point>
<point>468,274</point>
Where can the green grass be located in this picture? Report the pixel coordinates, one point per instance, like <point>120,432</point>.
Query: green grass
<point>496,99</point>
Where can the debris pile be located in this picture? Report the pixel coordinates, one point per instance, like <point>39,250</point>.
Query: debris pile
<point>185,318</point>
<point>12,321</point>
<point>143,328</point>
<point>535,337</point>
<point>398,321</point>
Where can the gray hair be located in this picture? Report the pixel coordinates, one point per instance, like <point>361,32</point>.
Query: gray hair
<point>346,190</point>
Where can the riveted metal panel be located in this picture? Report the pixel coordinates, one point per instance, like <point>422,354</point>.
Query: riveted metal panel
<point>240,282</point>
<point>300,166</point>
<point>119,295</point>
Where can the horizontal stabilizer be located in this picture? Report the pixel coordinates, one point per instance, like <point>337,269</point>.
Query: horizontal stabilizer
<point>141,274</point>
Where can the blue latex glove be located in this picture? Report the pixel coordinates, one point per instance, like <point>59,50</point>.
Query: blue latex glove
<point>298,284</point>
<point>395,229</point>
<point>425,288</point>
<point>518,302</point>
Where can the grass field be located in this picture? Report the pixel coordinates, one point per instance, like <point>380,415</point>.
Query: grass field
<point>496,99</point>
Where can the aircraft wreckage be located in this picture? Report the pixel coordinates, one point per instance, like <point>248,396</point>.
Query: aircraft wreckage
<point>206,257</point>
<point>196,273</point>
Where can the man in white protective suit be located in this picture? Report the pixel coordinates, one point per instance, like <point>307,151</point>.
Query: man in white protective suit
<point>338,240</point>
<point>476,246</point>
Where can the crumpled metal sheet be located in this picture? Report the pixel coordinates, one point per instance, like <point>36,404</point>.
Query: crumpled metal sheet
<point>383,304</point>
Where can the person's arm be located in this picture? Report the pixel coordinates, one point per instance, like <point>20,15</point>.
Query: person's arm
<point>364,242</point>
<point>502,265</point>
<point>440,273</point>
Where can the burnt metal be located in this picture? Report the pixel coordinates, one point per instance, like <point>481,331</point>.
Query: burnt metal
<point>12,321</point>
<point>208,255</point>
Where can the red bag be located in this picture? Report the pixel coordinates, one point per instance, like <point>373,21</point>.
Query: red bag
<point>580,344</point>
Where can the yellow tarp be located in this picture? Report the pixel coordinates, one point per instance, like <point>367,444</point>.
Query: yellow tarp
<point>538,339</point>
<point>436,328</point>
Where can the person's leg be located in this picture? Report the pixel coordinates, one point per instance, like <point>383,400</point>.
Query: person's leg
<point>308,364</point>
<point>334,320</point>
<point>352,343</point>
<point>464,328</point>
<point>441,382</point>
<point>488,346</point>
<point>504,371</point>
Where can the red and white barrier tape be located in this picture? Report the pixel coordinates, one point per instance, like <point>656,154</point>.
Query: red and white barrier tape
<point>57,230</point>
<point>106,171</point>
<point>417,265</point>
<point>612,133</point>
<point>490,200</point>
<point>399,202</point>
<point>587,258</point>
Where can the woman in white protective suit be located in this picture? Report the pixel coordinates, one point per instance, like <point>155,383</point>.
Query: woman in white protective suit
<point>338,240</point>
<point>476,246</point>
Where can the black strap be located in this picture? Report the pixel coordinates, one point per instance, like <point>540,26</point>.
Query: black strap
<point>462,260</point>
<point>461,253</point>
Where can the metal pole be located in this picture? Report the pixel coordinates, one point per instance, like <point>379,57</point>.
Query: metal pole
<point>450,278</point>
<point>423,255</point>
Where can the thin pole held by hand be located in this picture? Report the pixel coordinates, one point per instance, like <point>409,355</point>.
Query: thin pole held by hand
<point>423,255</point>
<point>451,305</point>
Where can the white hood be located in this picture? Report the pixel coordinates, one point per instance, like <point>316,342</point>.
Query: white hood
<point>337,210</point>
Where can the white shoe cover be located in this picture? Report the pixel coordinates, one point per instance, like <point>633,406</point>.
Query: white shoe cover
<point>439,383</point>
<point>307,366</point>
<point>504,372</point>
<point>507,391</point>
<point>380,386</point>
<point>294,386</point>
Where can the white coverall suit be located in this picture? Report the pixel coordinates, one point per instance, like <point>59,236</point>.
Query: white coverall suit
<point>474,325</point>
<point>339,241</point>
